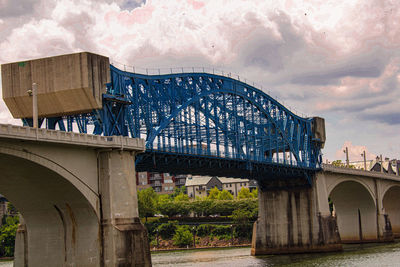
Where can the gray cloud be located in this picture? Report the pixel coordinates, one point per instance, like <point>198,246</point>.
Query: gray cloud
<point>16,8</point>
<point>361,65</point>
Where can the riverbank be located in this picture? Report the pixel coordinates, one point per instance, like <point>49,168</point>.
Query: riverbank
<point>201,243</point>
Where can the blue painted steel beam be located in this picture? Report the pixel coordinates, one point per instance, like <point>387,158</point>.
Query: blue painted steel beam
<point>201,115</point>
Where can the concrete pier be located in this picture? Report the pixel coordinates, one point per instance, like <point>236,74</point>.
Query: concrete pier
<point>125,241</point>
<point>291,221</point>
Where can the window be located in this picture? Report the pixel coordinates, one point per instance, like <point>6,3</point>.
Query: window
<point>230,185</point>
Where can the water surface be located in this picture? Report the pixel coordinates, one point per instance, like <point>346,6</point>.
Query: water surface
<point>354,255</point>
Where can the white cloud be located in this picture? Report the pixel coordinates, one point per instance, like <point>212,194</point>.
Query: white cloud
<point>355,152</point>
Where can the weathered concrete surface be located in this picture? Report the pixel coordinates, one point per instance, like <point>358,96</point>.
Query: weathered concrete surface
<point>125,239</point>
<point>77,196</point>
<point>363,202</point>
<point>290,221</point>
<point>67,84</point>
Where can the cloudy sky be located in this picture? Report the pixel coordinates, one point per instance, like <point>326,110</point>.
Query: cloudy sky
<point>339,60</point>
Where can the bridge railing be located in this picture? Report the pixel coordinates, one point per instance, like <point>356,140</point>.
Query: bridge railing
<point>179,70</point>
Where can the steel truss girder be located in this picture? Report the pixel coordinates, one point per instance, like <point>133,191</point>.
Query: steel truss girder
<point>162,102</point>
<point>211,117</point>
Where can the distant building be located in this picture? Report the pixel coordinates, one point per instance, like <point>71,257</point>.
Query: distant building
<point>390,166</point>
<point>201,185</point>
<point>386,166</point>
<point>162,183</point>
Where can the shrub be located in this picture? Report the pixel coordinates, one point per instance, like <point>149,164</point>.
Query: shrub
<point>151,228</point>
<point>183,236</point>
<point>204,230</point>
<point>243,230</point>
<point>167,230</point>
<point>221,230</point>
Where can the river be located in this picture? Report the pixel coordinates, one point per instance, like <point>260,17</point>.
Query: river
<point>353,255</point>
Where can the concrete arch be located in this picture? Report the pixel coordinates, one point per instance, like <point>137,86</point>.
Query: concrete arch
<point>62,225</point>
<point>355,209</point>
<point>391,205</point>
<point>340,179</point>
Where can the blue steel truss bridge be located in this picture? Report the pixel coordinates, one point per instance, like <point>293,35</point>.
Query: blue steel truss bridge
<point>205,124</point>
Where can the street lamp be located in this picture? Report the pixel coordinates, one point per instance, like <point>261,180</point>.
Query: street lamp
<point>194,236</point>
<point>231,235</point>
<point>33,93</point>
<point>157,236</point>
<point>346,151</point>
<point>365,160</point>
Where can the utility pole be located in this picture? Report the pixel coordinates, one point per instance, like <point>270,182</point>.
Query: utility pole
<point>34,106</point>
<point>365,160</point>
<point>381,163</point>
<point>346,151</point>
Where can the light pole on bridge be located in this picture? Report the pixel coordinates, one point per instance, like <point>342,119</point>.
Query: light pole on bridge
<point>346,151</point>
<point>365,160</point>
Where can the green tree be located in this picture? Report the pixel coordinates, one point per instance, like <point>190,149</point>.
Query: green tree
<point>225,195</point>
<point>213,194</point>
<point>255,193</point>
<point>244,193</point>
<point>178,191</point>
<point>183,236</point>
<point>7,236</point>
<point>339,163</point>
<point>11,208</point>
<point>182,197</point>
<point>147,201</point>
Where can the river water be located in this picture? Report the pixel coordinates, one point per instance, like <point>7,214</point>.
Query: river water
<point>353,255</point>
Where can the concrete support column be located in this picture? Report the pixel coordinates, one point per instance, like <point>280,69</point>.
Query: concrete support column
<point>21,245</point>
<point>384,227</point>
<point>290,221</point>
<point>125,241</point>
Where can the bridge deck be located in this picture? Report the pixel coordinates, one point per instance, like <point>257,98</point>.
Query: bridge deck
<point>8,131</point>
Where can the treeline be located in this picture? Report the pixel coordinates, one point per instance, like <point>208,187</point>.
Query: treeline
<point>218,202</point>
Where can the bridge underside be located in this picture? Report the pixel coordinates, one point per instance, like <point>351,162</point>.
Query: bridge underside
<point>269,175</point>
